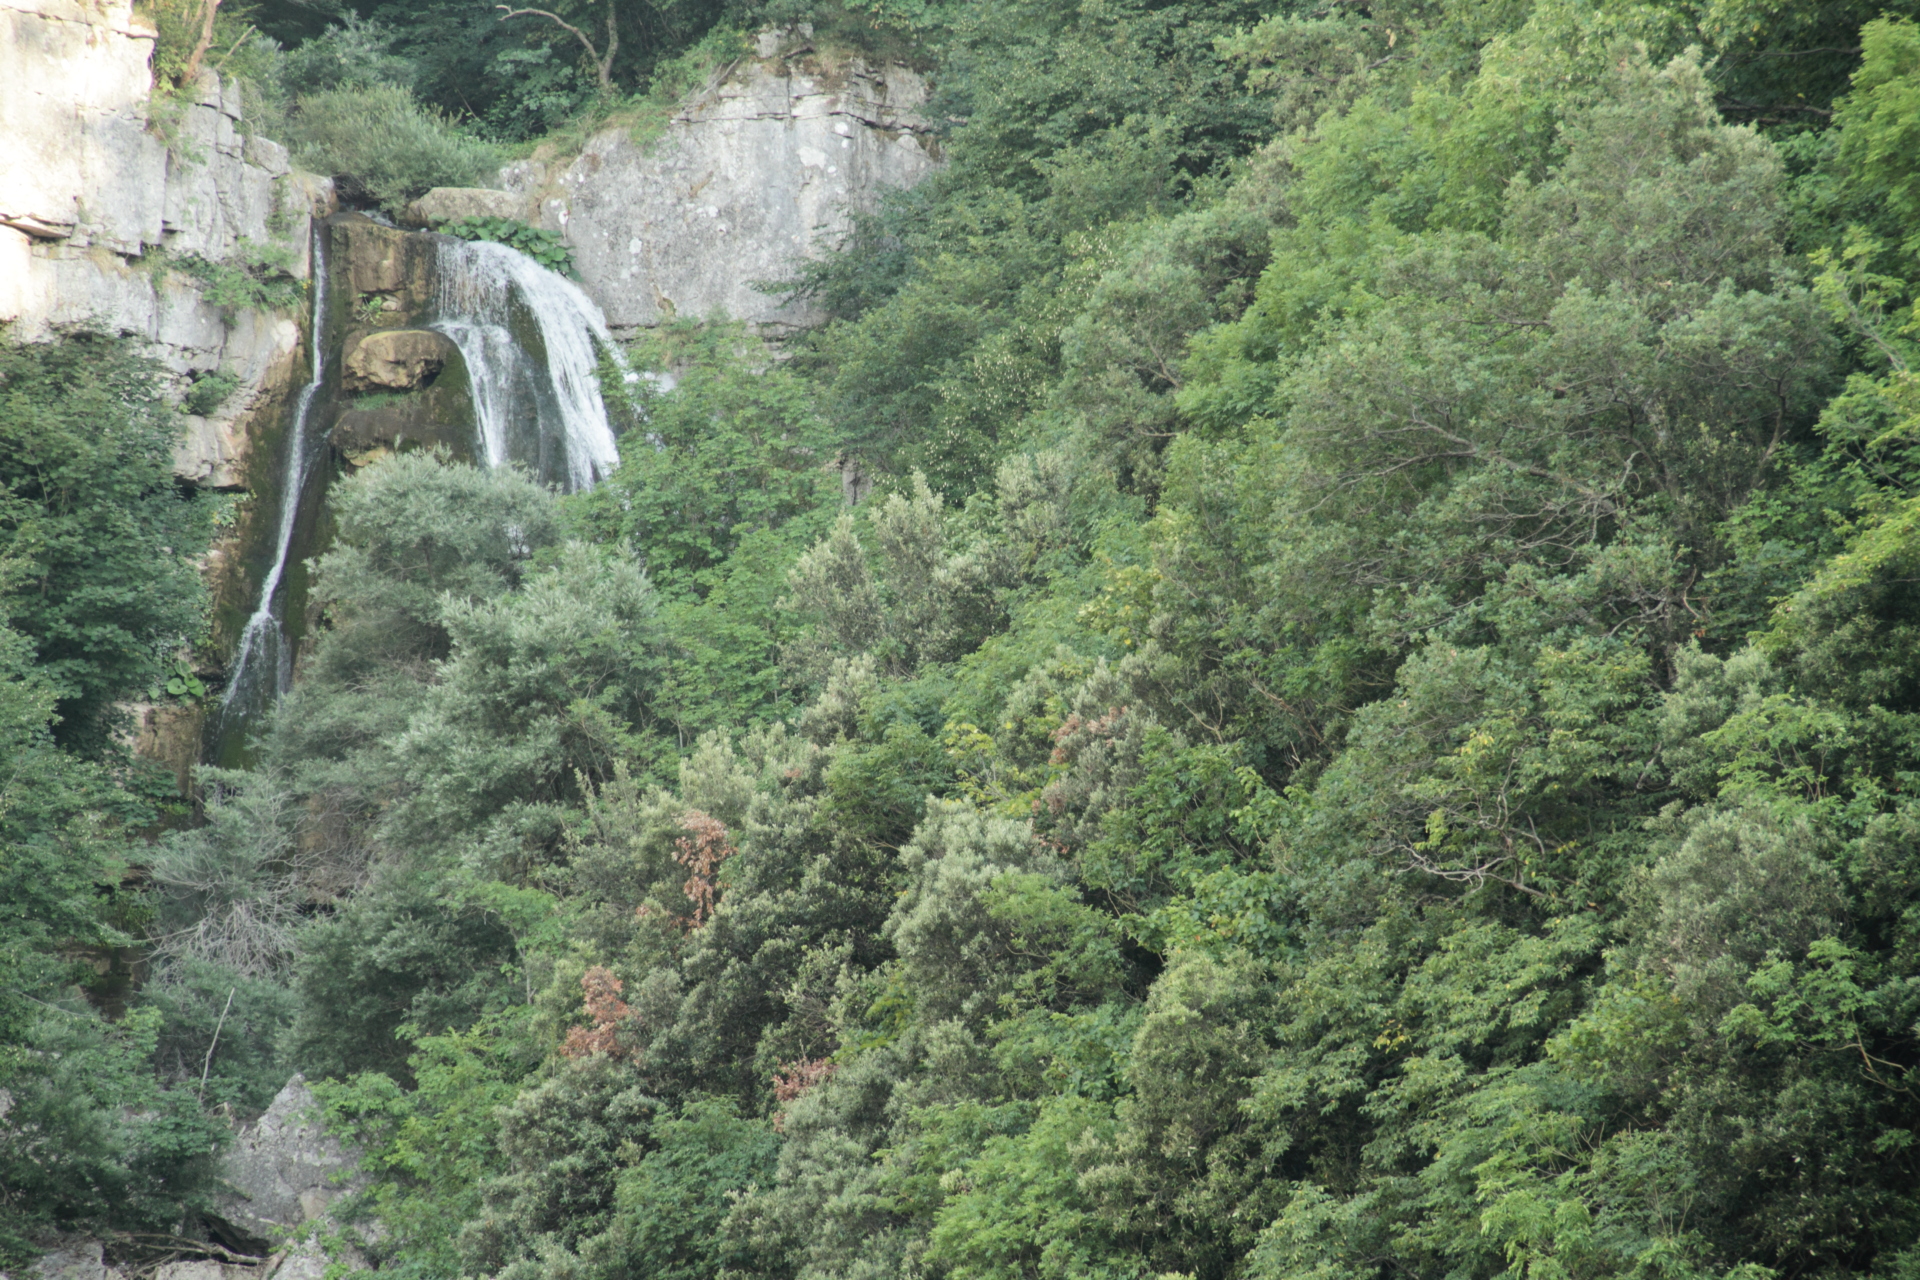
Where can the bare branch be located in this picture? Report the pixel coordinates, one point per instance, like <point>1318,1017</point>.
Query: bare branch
<point>210,9</point>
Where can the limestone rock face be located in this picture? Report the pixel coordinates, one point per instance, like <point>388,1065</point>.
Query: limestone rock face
<point>88,190</point>
<point>282,1172</point>
<point>387,268</point>
<point>448,203</point>
<point>81,165</point>
<point>169,734</point>
<point>397,359</point>
<point>204,1269</point>
<point>748,178</point>
<point>78,157</point>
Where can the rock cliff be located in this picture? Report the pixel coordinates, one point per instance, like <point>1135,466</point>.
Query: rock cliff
<point>95,199</point>
<point>760,170</point>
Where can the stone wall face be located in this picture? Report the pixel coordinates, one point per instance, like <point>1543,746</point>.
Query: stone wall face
<point>77,157</point>
<point>749,177</point>
<point>88,191</point>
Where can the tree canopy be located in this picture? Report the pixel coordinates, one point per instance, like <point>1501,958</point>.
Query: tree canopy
<point>1367,725</point>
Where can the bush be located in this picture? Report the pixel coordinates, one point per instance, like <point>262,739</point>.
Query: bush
<point>387,144</point>
<point>357,54</point>
<point>215,1020</point>
<point>208,393</point>
<point>258,277</point>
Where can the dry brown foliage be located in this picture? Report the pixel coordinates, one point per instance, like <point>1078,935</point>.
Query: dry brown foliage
<point>701,851</point>
<point>606,1008</point>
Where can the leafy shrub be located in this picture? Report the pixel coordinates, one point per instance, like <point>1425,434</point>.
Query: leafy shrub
<point>387,144</point>
<point>177,26</point>
<point>357,54</point>
<point>210,392</point>
<point>544,247</point>
<point>91,1138</point>
<point>258,276</point>
<point>223,1025</point>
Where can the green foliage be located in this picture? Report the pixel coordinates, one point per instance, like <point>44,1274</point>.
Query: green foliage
<point>229,1025</point>
<point>208,393</point>
<point>1080,123</point>
<point>386,144</point>
<point>96,1133</point>
<point>544,247</point>
<point>101,541</point>
<point>355,54</point>
<point>94,1140</point>
<point>258,277</point>
<point>178,26</point>
<point>726,473</point>
<point>1365,729</point>
<point>670,1205</point>
<point>1877,131</point>
<point>181,682</point>
<point>434,1145</point>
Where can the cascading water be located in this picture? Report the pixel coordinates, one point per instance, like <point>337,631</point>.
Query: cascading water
<point>263,660</point>
<point>540,408</point>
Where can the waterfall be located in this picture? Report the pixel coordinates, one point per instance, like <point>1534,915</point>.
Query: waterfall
<point>263,661</point>
<point>531,342</point>
<point>529,409</point>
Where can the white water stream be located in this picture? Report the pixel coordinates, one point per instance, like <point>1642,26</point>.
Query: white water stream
<point>263,651</point>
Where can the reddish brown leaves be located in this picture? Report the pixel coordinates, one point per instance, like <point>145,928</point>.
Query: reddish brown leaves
<point>1100,728</point>
<point>795,1079</point>
<point>607,1010</point>
<point>701,851</point>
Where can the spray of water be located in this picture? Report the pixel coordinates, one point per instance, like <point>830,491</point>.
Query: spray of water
<point>480,287</point>
<point>263,662</point>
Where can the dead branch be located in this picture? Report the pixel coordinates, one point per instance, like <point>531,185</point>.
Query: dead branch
<point>210,9</point>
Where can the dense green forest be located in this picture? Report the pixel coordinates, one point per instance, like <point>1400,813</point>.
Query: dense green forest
<point>1368,727</point>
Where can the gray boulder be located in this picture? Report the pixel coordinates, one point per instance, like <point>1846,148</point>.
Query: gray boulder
<point>284,1171</point>
<point>77,1260</point>
<point>443,204</point>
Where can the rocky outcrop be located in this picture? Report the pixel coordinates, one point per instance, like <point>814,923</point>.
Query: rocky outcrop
<point>75,1260</point>
<point>444,204</point>
<point>95,199</point>
<point>285,1170</point>
<point>279,1181</point>
<point>79,160</point>
<point>397,360</point>
<point>391,272</point>
<point>749,176</point>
